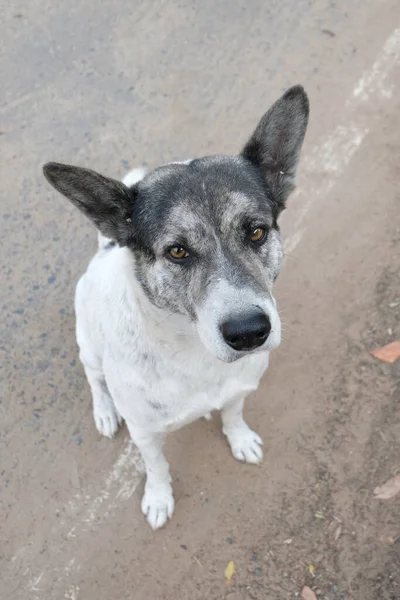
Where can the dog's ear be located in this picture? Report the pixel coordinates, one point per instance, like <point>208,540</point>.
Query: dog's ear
<point>107,202</point>
<point>275,145</point>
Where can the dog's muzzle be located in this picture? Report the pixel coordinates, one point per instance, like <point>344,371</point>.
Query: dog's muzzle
<point>246,332</point>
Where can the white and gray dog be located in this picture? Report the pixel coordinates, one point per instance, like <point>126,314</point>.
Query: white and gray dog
<point>175,314</point>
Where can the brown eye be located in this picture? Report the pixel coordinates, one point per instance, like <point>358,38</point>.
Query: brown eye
<point>178,253</point>
<point>258,234</point>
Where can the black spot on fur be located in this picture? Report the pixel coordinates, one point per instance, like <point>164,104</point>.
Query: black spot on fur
<point>104,386</point>
<point>157,406</point>
<point>111,244</point>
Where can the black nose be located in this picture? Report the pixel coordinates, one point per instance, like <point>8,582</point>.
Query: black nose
<point>246,332</point>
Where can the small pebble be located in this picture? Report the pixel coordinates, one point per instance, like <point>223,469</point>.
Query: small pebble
<point>229,540</point>
<point>329,33</point>
<point>258,572</point>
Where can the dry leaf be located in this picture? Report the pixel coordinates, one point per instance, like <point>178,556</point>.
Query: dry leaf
<point>390,540</point>
<point>388,489</point>
<point>230,570</point>
<point>308,594</point>
<point>389,353</point>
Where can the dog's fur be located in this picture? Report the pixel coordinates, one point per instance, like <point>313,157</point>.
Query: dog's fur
<point>149,328</point>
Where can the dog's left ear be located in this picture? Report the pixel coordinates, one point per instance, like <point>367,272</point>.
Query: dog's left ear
<point>275,145</point>
<point>106,202</point>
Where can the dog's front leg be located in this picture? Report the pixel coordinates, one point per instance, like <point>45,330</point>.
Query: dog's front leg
<point>158,501</point>
<point>244,442</point>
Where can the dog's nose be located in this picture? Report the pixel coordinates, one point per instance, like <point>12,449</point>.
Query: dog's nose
<point>247,332</point>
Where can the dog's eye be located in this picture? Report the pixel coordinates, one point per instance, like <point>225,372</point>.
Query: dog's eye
<point>178,253</point>
<point>258,235</point>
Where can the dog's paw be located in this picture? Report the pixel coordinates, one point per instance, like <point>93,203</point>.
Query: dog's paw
<point>158,505</point>
<point>245,445</point>
<point>106,418</point>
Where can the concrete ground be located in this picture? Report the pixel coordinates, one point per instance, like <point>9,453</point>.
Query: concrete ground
<point>115,85</point>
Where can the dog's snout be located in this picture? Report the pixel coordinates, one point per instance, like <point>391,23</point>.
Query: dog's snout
<point>246,332</point>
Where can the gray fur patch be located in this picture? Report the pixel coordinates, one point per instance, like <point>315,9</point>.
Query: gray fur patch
<point>210,207</point>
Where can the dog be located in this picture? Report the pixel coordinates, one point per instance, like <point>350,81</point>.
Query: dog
<point>175,316</point>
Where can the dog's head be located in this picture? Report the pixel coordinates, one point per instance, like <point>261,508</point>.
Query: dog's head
<point>204,233</point>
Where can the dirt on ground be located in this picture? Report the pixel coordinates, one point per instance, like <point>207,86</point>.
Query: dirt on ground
<point>111,87</point>
<point>332,535</point>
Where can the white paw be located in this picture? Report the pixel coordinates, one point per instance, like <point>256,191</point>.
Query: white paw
<point>245,444</point>
<point>158,505</point>
<point>106,417</point>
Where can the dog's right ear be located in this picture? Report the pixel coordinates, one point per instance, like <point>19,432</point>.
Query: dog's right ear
<point>107,202</point>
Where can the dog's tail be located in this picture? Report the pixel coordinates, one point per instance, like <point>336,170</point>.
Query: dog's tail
<point>129,180</point>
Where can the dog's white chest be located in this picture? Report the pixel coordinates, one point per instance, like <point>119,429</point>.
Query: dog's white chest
<point>166,397</point>
<point>195,404</point>
<point>190,403</point>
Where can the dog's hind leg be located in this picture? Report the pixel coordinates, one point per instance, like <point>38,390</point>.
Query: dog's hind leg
<point>244,442</point>
<point>105,414</point>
